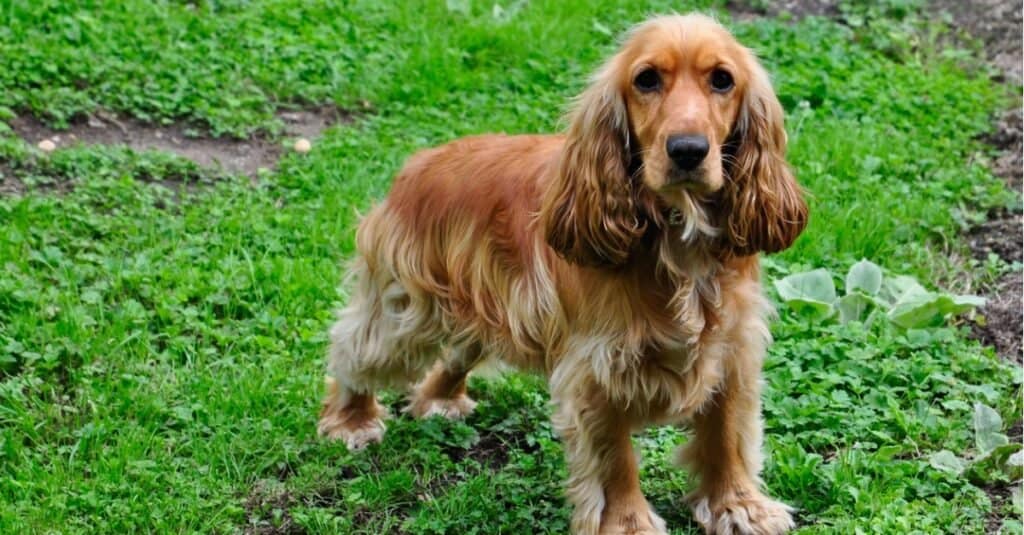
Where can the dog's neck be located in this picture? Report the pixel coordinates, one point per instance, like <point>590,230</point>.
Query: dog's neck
<point>690,274</point>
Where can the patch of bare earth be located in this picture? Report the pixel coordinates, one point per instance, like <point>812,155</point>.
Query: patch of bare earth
<point>228,155</point>
<point>8,184</point>
<point>268,508</point>
<point>1003,318</point>
<point>997,23</point>
<point>267,512</point>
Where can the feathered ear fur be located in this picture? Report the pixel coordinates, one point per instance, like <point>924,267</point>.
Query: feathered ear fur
<point>589,213</point>
<point>763,206</point>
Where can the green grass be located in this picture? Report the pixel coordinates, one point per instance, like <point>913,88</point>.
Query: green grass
<point>161,346</point>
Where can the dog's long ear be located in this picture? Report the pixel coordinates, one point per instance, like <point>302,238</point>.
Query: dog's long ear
<point>763,206</point>
<point>588,214</point>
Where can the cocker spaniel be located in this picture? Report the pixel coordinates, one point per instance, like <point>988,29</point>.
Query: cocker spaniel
<point>619,259</point>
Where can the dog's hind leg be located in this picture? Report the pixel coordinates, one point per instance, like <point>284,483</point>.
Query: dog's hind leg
<point>384,338</point>
<point>443,391</point>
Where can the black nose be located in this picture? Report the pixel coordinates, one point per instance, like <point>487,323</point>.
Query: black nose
<point>687,150</point>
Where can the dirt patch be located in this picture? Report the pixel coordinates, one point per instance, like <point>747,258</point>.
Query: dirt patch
<point>999,495</point>
<point>235,156</point>
<point>1004,311</point>
<point>997,24</point>
<point>268,508</point>
<point>1002,329</point>
<point>491,451</point>
<point>1000,236</point>
<point>1007,136</point>
<point>267,512</point>
<point>8,184</point>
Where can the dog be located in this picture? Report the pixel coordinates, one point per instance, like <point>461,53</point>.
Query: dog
<point>620,259</point>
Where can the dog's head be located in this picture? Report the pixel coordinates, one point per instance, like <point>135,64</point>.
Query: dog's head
<point>681,124</point>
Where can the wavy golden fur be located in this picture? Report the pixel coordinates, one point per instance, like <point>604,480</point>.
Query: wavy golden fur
<point>619,259</point>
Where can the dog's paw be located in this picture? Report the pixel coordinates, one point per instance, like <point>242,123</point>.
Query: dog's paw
<point>357,427</point>
<point>356,435</point>
<point>742,513</point>
<point>627,522</point>
<point>451,408</point>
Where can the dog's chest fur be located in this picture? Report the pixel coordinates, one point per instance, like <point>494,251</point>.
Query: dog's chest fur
<point>664,355</point>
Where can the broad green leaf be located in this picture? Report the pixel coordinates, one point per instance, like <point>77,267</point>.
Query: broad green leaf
<point>963,303</point>
<point>915,310</point>
<point>1015,465</point>
<point>852,306</point>
<point>996,465</point>
<point>810,293</point>
<point>886,453</point>
<point>864,276</point>
<point>955,405</point>
<point>987,428</point>
<point>900,287</point>
<point>946,461</point>
<point>815,285</point>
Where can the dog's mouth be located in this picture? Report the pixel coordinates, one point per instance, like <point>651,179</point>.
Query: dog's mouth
<point>697,181</point>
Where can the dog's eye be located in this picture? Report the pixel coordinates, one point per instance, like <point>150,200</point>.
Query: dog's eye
<point>647,81</point>
<point>721,81</point>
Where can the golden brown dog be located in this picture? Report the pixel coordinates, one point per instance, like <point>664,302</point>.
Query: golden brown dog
<point>620,259</point>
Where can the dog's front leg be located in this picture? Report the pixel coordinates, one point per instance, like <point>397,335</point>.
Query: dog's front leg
<point>725,453</point>
<point>604,484</point>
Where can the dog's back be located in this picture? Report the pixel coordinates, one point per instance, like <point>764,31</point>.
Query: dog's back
<point>456,242</point>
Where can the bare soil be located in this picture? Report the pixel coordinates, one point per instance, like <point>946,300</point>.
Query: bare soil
<point>235,156</point>
<point>997,24</point>
<point>267,512</point>
<point>1007,137</point>
<point>8,184</point>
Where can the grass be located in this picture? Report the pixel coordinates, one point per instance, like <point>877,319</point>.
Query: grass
<point>162,326</point>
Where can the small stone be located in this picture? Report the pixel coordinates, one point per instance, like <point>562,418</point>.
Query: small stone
<point>47,146</point>
<point>302,145</point>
